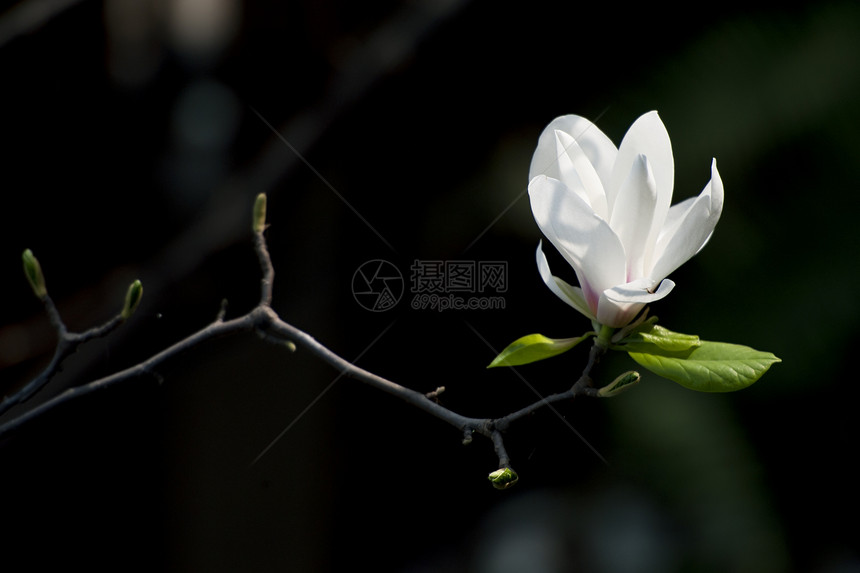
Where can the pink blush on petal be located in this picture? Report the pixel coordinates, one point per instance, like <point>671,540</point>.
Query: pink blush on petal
<point>592,298</point>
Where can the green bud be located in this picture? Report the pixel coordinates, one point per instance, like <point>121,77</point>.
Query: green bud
<point>259,222</point>
<point>503,478</point>
<point>620,384</point>
<point>132,299</point>
<point>33,271</point>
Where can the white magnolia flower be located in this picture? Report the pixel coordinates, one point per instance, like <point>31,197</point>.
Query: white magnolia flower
<point>607,210</point>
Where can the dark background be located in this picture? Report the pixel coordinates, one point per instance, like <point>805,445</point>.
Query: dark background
<point>136,138</point>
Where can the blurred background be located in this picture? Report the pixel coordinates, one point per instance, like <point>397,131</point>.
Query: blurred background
<point>138,132</point>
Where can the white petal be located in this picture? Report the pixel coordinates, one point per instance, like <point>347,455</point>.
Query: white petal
<point>717,198</point>
<point>676,214</point>
<point>647,136</point>
<point>598,148</point>
<point>584,239</point>
<point>570,294</point>
<point>692,230</point>
<point>633,216</point>
<point>577,172</point>
<point>640,291</point>
<point>717,191</point>
<point>619,305</point>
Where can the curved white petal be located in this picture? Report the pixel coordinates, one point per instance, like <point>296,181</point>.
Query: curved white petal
<point>570,294</point>
<point>597,147</point>
<point>692,230</point>
<point>717,198</point>
<point>717,191</point>
<point>640,291</point>
<point>647,136</point>
<point>676,214</point>
<point>616,315</point>
<point>619,305</point>
<point>633,216</point>
<point>584,239</point>
<point>577,172</point>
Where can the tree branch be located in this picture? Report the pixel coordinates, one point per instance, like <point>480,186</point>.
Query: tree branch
<point>270,326</point>
<point>216,329</point>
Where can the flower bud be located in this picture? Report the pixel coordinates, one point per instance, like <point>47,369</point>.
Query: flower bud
<point>503,478</point>
<point>132,299</point>
<point>259,217</point>
<point>620,384</point>
<point>33,271</point>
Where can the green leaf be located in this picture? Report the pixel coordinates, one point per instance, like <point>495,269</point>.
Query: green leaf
<point>709,366</point>
<point>535,347</point>
<point>656,339</point>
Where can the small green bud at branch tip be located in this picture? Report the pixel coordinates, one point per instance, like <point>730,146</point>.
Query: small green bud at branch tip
<point>33,271</point>
<point>624,382</point>
<point>259,223</point>
<point>503,478</point>
<point>132,299</point>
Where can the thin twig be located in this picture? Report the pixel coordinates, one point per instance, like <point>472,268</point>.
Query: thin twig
<point>501,452</point>
<point>67,344</point>
<point>214,330</point>
<point>268,280</point>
